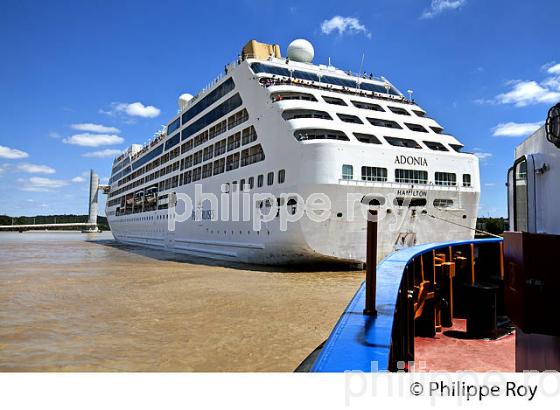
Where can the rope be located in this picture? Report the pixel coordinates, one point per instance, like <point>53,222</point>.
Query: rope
<point>463,226</point>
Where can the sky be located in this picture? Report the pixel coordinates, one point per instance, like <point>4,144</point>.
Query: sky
<point>82,80</point>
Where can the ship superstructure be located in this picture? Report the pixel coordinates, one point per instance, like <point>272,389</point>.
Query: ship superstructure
<point>294,129</point>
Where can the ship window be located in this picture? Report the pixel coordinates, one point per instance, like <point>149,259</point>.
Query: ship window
<point>197,157</point>
<point>456,147</point>
<point>208,152</point>
<point>403,142</point>
<point>260,180</point>
<point>171,142</point>
<point>281,176</point>
<point>208,100</point>
<point>367,138</point>
<point>377,88</point>
<point>350,118</point>
<point>384,123</point>
<point>207,170</point>
<point>410,202</point>
<point>411,176</point>
<point>342,82</point>
<point>269,69</point>
<point>249,135</point>
<point>347,171</point>
<point>225,187</point>
<point>446,178</point>
<point>367,106</point>
<point>467,180</point>
<point>436,146</point>
<point>319,134</point>
<point>374,174</point>
<point>214,131</point>
<point>415,127</point>
<point>399,110</point>
<point>295,114</point>
<point>237,118</point>
<point>251,182</point>
<point>251,155</point>
<point>234,141</point>
<point>437,130</point>
<point>187,146</point>
<point>443,203</point>
<point>174,126</point>
<point>224,108</point>
<point>334,101</point>
<point>232,162</point>
<point>270,178</point>
<point>234,186</point>
<point>242,185</point>
<point>197,173</point>
<point>219,166</point>
<point>419,113</point>
<point>305,75</point>
<point>292,96</point>
<point>220,147</point>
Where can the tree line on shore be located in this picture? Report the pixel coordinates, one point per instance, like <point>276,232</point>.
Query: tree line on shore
<point>53,219</point>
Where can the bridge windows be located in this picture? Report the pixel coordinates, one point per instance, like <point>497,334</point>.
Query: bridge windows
<point>419,113</point>
<point>446,179</point>
<point>411,176</point>
<point>457,147</point>
<point>467,180</point>
<point>281,176</point>
<point>367,106</point>
<point>437,130</point>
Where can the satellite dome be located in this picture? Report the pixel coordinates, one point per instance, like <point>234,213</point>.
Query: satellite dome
<point>301,50</point>
<point>184,99</point>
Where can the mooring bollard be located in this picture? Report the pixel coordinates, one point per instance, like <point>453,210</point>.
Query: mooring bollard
<point>371,263</point>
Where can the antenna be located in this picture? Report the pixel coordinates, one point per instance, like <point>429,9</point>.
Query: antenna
<point>362,64</point>
<point>329,61</point>
<point>410,94</point>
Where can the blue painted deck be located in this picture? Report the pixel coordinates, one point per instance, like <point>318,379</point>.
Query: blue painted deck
<point>358,340</point>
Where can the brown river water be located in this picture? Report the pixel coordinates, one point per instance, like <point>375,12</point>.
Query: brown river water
<point>76,302</point>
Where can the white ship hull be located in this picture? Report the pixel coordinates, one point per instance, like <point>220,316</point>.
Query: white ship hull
<point>310,166</point>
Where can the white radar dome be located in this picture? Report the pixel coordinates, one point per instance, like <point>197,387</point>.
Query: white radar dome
<point>183,100</point>
<point>301,50</point>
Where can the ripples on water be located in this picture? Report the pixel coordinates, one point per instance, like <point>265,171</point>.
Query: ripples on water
<point>77,302</point>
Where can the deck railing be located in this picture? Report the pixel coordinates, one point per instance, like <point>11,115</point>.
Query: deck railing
<point>414,292</point>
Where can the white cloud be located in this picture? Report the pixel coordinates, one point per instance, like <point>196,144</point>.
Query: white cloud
<point>93,140</point>
<point>40,184</point>
<point>12,153</point>
<point>78,179</point>
<point>439,6</point>
<point>524,93</point>
<point>514,129</point>
<point>482,156</point>
<point>54,134</point>
<point>344,25</point>
<point>552,68</point>
<point>36,169</point>
<point>137,109</point>
<point>90,127</point>
<point>105,153</point>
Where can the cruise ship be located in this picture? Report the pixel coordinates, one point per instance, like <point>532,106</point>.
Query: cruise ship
<point>299,135</point>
